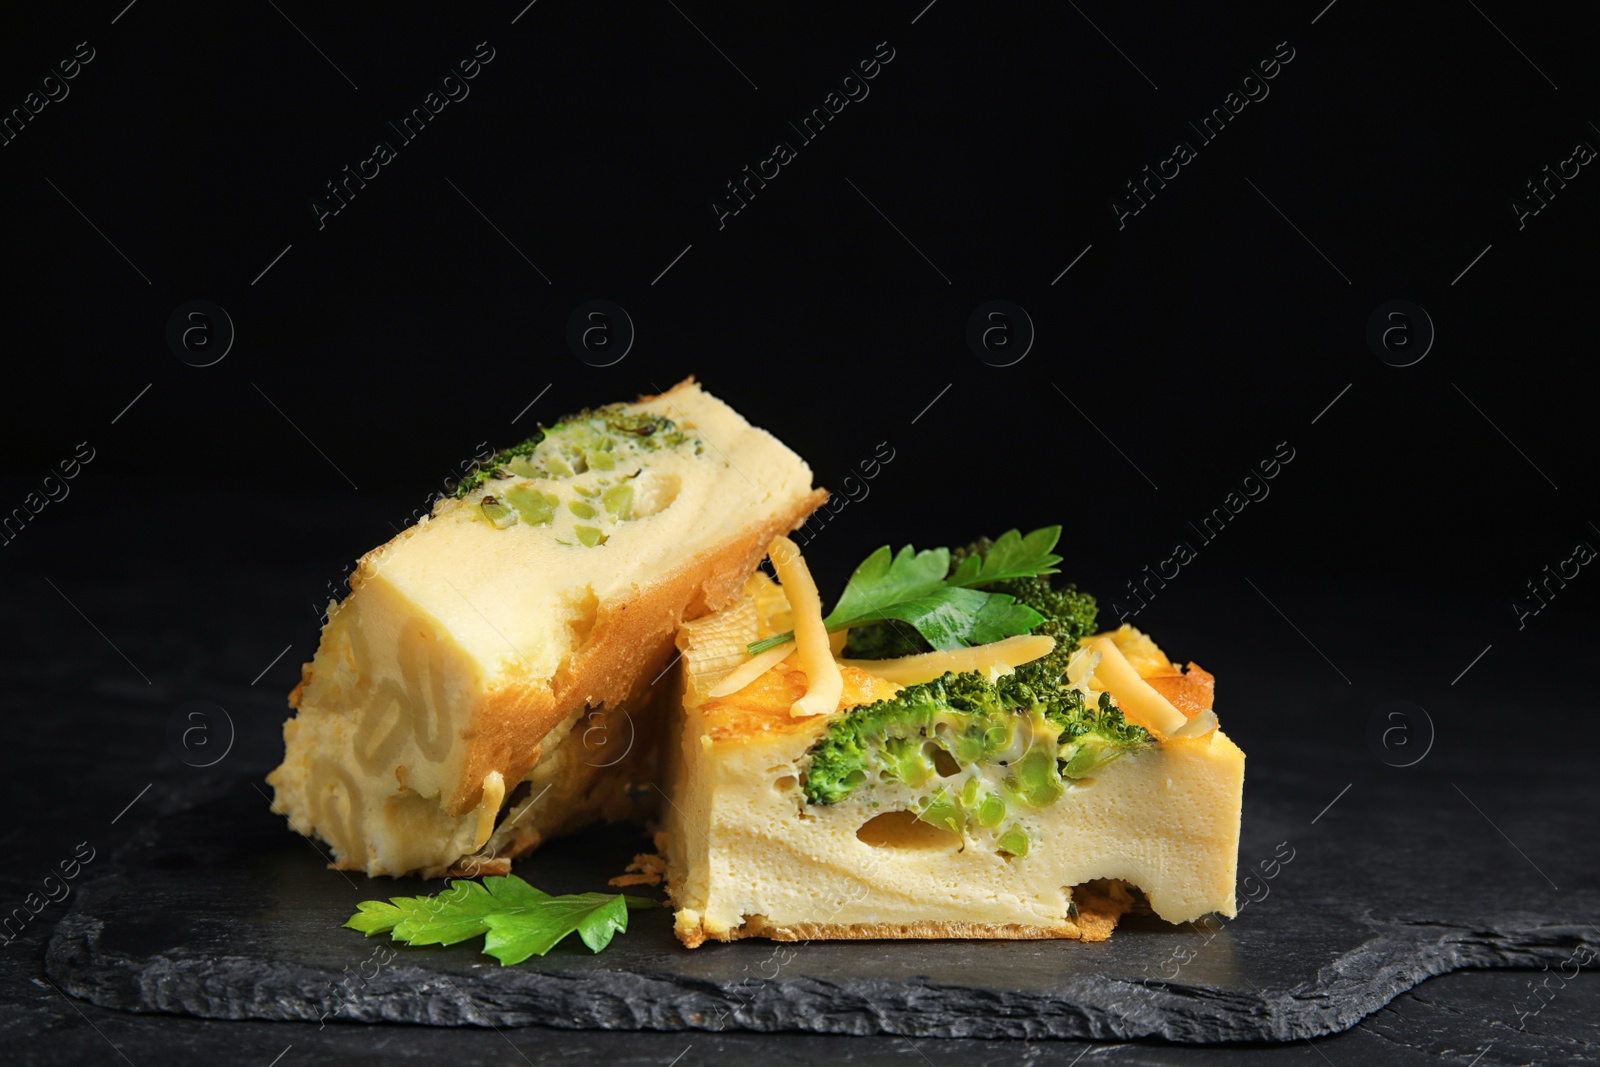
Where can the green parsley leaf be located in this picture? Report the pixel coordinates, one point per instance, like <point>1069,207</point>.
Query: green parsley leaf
<point>884,579</point>
<point>374,917</point>
<point>595,917</point>
<point>1011,556</point>
<point>919,588</point>
<point>516,919</point>
<point>954,618</point>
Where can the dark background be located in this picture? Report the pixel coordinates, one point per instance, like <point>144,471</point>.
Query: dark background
<point>221,508</point>
<point>407,329</point>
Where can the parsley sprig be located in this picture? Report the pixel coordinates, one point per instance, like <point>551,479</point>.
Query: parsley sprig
<point>516,919</point>
<point>945,606</point>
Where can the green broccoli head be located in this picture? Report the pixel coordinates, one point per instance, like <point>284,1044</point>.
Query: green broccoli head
<point>1068,616</point>
<point>496,466</point>
<point>597,438</point>
<point>1092,735</point>
<point>964,752</point>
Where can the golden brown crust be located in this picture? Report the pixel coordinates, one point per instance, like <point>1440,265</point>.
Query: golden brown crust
<point>475,867</point>
<point>300,686</point>
<point>647,868</point>
<point>1100,905</point>
<point>1191,692</point>
<point>762,707</point>
<point>623,881</point>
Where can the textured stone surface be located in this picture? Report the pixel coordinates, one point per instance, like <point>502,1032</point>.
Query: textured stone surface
<point>1447,1019</point>
<point>219,912</point>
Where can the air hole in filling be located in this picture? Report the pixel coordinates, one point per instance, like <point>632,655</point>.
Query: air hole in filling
<point>654,492</point>
<point>943,763</point>
<point>903,830</point>
<point>786,783</point>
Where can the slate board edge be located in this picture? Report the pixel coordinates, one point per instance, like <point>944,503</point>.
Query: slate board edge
<point>1345,991</point>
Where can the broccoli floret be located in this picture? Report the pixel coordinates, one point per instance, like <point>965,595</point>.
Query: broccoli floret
<point>597,438</point>
<point>494,466</point>
<point>1013,744</point>
<point>1092,736</point>
<point>962,714</point>
<point>1068,616</point>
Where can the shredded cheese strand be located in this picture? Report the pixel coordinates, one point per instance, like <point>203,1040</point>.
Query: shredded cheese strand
<point>750,670</point>
<point>824,682</point>
<point>1202,725</point>
<point>494,791</point>
<point>1139,700</point>
<point>926,666</point>
<point>714,647</point>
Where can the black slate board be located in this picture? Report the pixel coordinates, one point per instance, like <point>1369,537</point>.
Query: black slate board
<point>220,912</point>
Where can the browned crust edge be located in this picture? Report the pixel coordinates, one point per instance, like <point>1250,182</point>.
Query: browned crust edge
<point>1191,692</point>
<point>1100,906</point>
